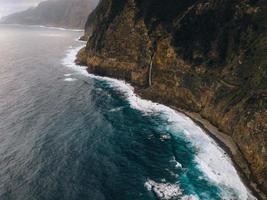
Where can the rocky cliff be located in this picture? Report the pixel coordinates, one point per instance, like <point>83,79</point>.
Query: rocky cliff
<point>62,13</point>
<point>208,57</point>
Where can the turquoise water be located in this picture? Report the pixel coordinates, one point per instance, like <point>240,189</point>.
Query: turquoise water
<point>65,134</point>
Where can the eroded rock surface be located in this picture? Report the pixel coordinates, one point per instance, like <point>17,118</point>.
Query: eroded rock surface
<point>208,57</point>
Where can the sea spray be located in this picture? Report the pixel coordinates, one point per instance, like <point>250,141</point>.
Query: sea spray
<point>217,166</point>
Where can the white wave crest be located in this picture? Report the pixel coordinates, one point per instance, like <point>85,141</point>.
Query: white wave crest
<point>189,197</point>
<point>51,35</point>
<point>165,137</point>
<point>167,191</point>
<point>177,164</point>
<point>116,109</point>
<point>61,28</point>
<point>164,190</point>
<point>70,79</point>
<point>210,158</point>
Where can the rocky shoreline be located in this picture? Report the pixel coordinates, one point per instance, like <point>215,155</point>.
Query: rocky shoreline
<point>206,57</point>
<point>222,139</point>
<point>228,145</point>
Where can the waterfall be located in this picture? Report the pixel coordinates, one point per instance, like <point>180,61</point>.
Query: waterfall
<point>150,69</point>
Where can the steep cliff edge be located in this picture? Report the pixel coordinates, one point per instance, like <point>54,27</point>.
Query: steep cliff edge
<point>62,13</point>
<point>208,57</point>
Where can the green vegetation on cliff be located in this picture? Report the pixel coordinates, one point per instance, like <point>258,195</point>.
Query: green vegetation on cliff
<point>208,57</point>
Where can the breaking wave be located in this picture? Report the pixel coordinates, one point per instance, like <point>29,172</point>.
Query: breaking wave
<point>216,166</point>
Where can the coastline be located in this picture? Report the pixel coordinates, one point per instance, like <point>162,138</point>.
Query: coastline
<point>228,145</point>
<point>224,141</point>
<point>46,27</point>
<point>60,28</point>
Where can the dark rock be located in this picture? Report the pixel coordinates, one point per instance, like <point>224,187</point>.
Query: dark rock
<point>209,57</point>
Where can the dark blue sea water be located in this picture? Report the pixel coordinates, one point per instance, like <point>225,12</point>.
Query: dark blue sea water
<point>67,135</point>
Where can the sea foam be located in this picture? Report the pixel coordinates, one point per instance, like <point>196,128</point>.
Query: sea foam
<point>164,190</point>
<point>167,191</point>
<point>51,35</point>
<point>70,79</point>
<point>61,28</point>
<point>211,159</point>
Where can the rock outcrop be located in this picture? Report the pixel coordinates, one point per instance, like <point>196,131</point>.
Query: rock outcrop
<point>61,13</point>
<point>207,56</point>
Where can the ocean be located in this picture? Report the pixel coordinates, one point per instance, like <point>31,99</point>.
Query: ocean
<point>66,134</point>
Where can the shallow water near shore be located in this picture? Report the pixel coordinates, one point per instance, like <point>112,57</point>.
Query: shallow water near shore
<point>67,134</point>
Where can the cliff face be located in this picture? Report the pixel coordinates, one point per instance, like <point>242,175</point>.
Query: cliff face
<point>207,56</point>
<point>62,13</point>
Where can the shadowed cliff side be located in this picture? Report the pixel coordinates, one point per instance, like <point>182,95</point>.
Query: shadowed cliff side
<point>208,57</point>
